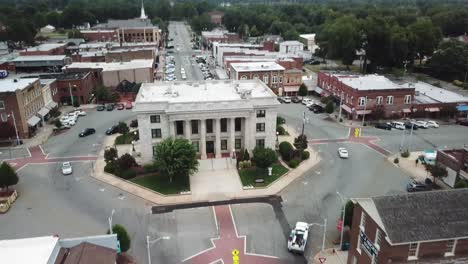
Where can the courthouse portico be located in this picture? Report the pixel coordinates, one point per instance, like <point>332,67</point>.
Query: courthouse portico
<point>217,117</point>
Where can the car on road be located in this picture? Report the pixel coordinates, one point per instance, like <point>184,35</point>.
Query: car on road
<point>295,99</point>
<point>67,168</point>
<point>101,108</point>
<point>297,239</point>
<point>343,153</point>
<point>433,124</point>
<point>109,107</point>
<point>462,121</point>
<point>416,186</point>
<point>87,132</point>
<point>120,106</point>
<point>287,100</point>
<point>385,126</point>
<point>112,130</point>
<point>317,109</point>
<point>128,105</point>
<point>422,124</point>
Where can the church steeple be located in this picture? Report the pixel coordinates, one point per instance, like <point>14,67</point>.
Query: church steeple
<point>143,16</point>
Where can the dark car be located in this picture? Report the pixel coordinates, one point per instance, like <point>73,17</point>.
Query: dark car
<point>313,62</point>
<point>385,126</point>
<point>109,107</point>
<point>120,107</point>
<point>295,99</point>
<point>462,121</point>
<point>87,132</point>
<point>317,109</point>
<point>112,130</point>
<point>408,125</point>
<point>101,107</point>
<point>418,187</point>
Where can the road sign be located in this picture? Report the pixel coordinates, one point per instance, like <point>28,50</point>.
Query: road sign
<point>356,132</point>
<point>322,260</point>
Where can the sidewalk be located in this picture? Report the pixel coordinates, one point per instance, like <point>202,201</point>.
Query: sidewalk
<point>161,199</point>
<point>331,256</point>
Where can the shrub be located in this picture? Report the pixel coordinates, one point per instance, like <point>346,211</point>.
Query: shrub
<point>110,155</point>
<point>461,184</point>
<point>149,168</point>
<point>134,123</point>
<point>122,236</point>
<point>281,131</point>
<point>110,168</point>
<point>264,157</point>
<point>245,164</point>
<point>280,120</point>
<point>405,154</point>
<point>125,162</point>
<point>246,155</point>
<point>54,112</point>
<point>305,155</point>
<point>57,123</point>
<point>127,174</point>
<point>396,161</point>
<point>457,83</point>
<point>240,155</point>
<point>330,107</point>
<point>122,128</point>
<point>324,100</point>
<point>286,150</point>
<point>301,142</point>
<point>293,163</point>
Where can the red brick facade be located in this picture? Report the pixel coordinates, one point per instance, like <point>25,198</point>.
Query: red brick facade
<point>100,35</point>
<point>430,251</point>
<point>262,75</point>
<point>82,87</point>
<point>375,97</point>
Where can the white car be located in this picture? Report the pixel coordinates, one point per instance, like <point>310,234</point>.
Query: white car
<point>307,101</point>
<point>287,100</point>
<point>67,168</point>
<point>184,77</point>
<point>422,124</point>
<point>80,113</point>
<point>343,153</point>
<point>431,123</point>
<point>71,122</point>
<point>297,240</point>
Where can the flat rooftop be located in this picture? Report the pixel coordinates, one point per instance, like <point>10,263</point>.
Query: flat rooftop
<point>111,66</point>
<point>46,47</point>
<point>11,85</point>
<point>256,66</point>
<point>291,42</point>
<point>205,91</point>
<point>40,58</point>
<point>28,250</point>
<point>427,93</point>
<point>307,36</point>
<point>368,82</point>
<point>60,76</point>
<point>214,33</point>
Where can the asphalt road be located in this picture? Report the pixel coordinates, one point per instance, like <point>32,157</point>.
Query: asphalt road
<point>183,52</point>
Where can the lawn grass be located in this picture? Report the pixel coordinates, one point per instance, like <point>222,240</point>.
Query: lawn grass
<point>248,176</point>
<point>125,138</point>
<point>162,185</point>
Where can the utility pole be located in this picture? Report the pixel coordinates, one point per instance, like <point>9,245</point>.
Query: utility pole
<point>303,122</point>
<point>71,94</point>
<point>364,113</point>
<point>16,128</point>
<point>341,103</point>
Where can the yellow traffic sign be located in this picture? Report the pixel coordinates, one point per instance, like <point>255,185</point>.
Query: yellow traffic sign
<point>356,132</point>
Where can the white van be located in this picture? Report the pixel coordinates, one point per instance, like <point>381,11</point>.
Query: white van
<point>398,125</point>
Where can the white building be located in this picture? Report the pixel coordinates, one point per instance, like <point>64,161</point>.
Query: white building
<point>310,40</point>
<point>216,116</point>
<point>291,46</point>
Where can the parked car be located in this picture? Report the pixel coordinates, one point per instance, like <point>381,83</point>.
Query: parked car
<point>67,168</point>
<point>128,105</point>
<point>109,107</point>
<point>87,132</point>
<point>398,125</point>
<point>295,99</point>
<point>112,130</point>
<point>415,186</point>
<point>409,125</point>
<point>80,112</point>
<point>422,124</point>
<point>317,109</point>
<point>462,121</point>
<point>297,240</point>
<point>287,100</point>
<point>120,106</point>
<point>306,101</point>
<point>101,108</point>
<point>433,124</point>
<point>343,153</point>
<point>385,126</point>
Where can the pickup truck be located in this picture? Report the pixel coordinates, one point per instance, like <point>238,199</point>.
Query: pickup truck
<point>298,237</point>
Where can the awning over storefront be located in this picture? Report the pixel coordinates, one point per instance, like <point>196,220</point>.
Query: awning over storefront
<point>363,112</point>
<point>291,88</point>
<point>43,112</point>
<point>51,105</point>
<point>318,90</point>
<point>346,108</point>
<point>406,110</point>
<point>432,109</point>
<point>462,108</point>
<point>33,120</point>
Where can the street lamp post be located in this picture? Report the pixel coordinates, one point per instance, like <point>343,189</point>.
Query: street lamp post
<point>110,221</point>
<point>324,225</point>
<point>341,103</point>
<point>148,243</point>
<point>16,128</point>
<point>277,141</point>
<point>364,113</point>
<point>342,219</point>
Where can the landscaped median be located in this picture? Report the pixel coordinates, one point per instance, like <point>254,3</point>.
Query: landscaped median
<point>162,185</point>
<point>249,175</point>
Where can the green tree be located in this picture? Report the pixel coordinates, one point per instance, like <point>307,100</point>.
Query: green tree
<point>175,158</point>
<point>264,157</point>
<point>426,37</point>
<point>57,123</point>
<point>122,127</point>
<point>330,107</point>
<point>303,90</point>
<point>461,184</point>
<point>349,210</point>
<point>110,155</point>
<point>122,236</point>
<point>246,155</point>
<point>437,172</point>
<point>75,33</point>
<point>8,176</point>
<point>450,61</point>
<point>53,18</point>
<point>102,93</point>
<point>126,162</point>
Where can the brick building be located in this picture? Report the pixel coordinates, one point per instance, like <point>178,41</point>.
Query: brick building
<point>100,35</point>
<point>362,95</point>
<point>130,54</point>
<point>270,73</point>
<point>291,82</point>
<point>41,63</point>
<point>23,99</point>
<point>45,49</point>
<point>424,227</point>
<point>455,161</point>
<point>218,35</point>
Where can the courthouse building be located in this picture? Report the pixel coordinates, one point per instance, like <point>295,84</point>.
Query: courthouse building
<point>218,117</point>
